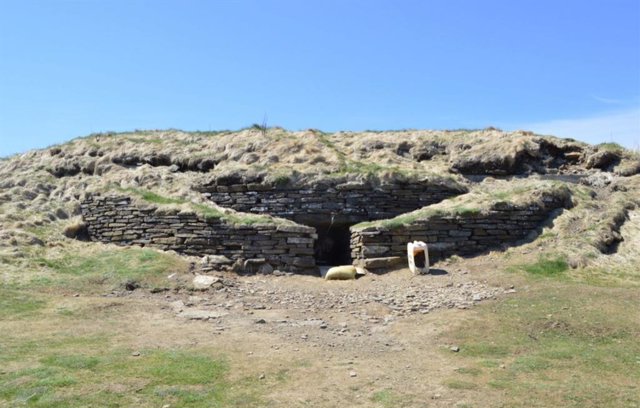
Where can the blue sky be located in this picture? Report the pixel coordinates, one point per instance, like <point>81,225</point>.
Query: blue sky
<point>70,68</point>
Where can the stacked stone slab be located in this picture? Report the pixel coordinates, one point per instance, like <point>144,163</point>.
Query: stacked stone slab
<point>350,202</point>
<point>462,234</point>
<point>119,220</point>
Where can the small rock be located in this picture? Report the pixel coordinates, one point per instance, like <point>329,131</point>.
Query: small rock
<point>253,265</point>
<point>136,354</point>
<point>602,159</point>
<point>353,374</point>
<point>436,396</point>
<point>131,285</point>
<point>262,377</point>
<point>265,269</point>
<point>455,349</point>
<point>177,306</point>
<point>261,321</point>
<point>61,214</point>
<point>203,282</point>
<point>36,241</point>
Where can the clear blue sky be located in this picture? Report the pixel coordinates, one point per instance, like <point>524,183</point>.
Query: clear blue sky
<point>69,68</point>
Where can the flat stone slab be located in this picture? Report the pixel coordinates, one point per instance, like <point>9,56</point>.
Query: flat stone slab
<point>201,314</point>
<point>203,282</point>
<point>379,263</point>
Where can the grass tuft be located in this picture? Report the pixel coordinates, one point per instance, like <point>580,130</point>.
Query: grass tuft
<point>610,147</point>
<point>18,304</point>
<point>461,385</point>
<point>387,398</point>
<point>75,362</point>
<point>110,268</point>
<point>547,266</point>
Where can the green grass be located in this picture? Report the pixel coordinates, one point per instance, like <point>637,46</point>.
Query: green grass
<point>387,398</point>
<point>402,220</point>
<point>154,198</point>
<point>181,368</point>
<point>139,140</point>
<point>610,147</point>
<point>547,266</point>
<point>16,304</point>
<point>70,365</point>
<point>210,133</point>
<point>282,180</point>
<point>472,371</point>
<point>460,385</point>
<point>74,362</point>
<point>108,269</point>
<point>115,378</point>
<point>561,344</point>
<point>547,235</point>
<point>508,195</point>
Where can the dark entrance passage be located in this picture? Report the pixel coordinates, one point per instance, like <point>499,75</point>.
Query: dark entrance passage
<point>333,246</point>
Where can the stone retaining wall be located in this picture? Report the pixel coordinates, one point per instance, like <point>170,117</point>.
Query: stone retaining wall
<point>118,220</point>
<point>466,234</point>
<point>348,203</point>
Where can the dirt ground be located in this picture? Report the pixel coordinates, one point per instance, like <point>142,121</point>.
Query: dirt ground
<point>339,342</point>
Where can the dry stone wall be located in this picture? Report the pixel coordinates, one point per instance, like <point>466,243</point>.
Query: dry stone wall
<point>446,235</point>
<point>347,203</point>
<point>118,220</point>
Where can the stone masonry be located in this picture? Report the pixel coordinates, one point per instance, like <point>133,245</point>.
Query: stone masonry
<point>463,234</point>
<point>117,219</point>
<point>347,203</point>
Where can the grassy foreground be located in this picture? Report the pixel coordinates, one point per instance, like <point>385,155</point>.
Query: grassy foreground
<point>58,353</point>
<point>557,342</point>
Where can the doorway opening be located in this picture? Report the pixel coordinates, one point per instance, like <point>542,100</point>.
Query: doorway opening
<point>333,246</point>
